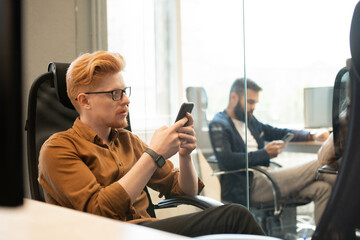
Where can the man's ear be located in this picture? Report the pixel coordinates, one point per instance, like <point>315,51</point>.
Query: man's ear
<point>83,101</point>
<point>234,98</point>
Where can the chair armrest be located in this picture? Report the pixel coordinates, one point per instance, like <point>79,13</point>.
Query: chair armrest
<point>201,202</point>
<point>275,164</point>
<point>329,169</point>
<point>274,186</point>
<point>268,177</point>
<point>227,236</point>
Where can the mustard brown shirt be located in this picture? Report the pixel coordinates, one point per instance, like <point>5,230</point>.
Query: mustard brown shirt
<point>77,170</point>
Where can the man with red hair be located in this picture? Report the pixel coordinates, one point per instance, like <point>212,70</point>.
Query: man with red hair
<point>99,167</point>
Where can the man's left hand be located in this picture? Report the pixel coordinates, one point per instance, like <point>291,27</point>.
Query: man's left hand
<point>187,137</point>
<point>320,135</point>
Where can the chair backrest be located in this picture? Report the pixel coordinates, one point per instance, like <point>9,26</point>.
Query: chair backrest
<point>198,96</point>
<point>46,115</point>
<point>340,109</point>
<point>341,218</point>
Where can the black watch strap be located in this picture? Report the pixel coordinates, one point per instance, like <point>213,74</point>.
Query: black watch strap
<point>159,160</point>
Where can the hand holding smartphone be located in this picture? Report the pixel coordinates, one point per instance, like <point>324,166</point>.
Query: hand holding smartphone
<point>288,137</point>
<point>185,107</point>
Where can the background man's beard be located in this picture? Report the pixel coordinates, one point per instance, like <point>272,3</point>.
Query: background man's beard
<point>240,113</point>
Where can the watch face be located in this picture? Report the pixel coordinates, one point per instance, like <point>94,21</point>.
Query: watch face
<point>160,161</point>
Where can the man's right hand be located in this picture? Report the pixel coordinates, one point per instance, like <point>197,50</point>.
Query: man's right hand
<point>165,140</point>
<point>274,148</point>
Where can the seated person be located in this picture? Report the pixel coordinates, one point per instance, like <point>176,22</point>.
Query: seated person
<point>98,167</point>
<point>227,132</point>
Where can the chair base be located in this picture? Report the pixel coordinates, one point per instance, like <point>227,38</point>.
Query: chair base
<point>282,226</point>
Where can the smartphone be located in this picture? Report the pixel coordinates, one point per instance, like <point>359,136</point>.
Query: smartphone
<point>185,107</point>
<point>288,137</point>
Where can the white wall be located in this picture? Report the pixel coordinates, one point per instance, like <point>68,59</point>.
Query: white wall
<point>49,34</point>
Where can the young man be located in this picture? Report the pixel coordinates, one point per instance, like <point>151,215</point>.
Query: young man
<point>227,132</point>
<point>98,167</point>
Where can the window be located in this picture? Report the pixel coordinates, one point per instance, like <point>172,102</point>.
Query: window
<point>200,43</point>
<point>212,47</point>
<point>298,45</point>
<point>143,32</point>
<point>170,45</point>
<point>287,48</point>
<point>131,33</point>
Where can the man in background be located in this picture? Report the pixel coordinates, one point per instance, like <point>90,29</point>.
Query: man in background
<point>227,132</point>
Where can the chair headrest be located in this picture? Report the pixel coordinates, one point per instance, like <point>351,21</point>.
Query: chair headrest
<point>194,94</point>
<point>59,77</point>
<point>355,39</point>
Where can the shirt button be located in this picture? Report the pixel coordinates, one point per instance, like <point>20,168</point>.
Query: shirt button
<point>120,164</point>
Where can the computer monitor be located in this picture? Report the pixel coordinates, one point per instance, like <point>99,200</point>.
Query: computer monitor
<point>318,107</point>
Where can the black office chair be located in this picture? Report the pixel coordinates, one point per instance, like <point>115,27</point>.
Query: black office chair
<point>49,111</point>
<point>341,218</point>
<point>277,217</point>
<point>340,114</point>
<point>198,96</point>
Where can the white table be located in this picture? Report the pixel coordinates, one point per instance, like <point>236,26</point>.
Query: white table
<point>37,220</point>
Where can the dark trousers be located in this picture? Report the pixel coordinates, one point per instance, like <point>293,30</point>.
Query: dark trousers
<point>229,218</point>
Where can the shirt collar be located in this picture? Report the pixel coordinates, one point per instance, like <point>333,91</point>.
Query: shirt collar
<point>88,134</point>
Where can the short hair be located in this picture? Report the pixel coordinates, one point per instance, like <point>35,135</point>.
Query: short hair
<point>88,69</point>
<point>238,86</point>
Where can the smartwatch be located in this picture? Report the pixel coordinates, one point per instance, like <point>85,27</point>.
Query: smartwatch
<point>159,160</point>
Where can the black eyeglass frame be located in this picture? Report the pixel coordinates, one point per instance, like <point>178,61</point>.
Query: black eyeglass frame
<point>113,93</point>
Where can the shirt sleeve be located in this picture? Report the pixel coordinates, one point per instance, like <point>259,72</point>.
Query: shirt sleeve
<point>273,133</point>
<point>68,182</point>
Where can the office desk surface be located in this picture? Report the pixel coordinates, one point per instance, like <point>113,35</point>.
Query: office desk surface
<point>305,147</point>
<point>38,220</point>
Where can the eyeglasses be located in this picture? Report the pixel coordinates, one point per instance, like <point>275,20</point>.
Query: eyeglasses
<point>116,94</point>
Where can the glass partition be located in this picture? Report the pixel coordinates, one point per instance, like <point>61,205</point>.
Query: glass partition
<point>292,46</point>
<point>193,50</point>
<point>212,58</point>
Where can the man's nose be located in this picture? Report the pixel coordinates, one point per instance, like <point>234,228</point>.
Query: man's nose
<point>125,99</point>
<point>251,107</point>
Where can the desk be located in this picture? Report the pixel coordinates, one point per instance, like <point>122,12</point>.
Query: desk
<point>38,220</point>
<point>305,147</point>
